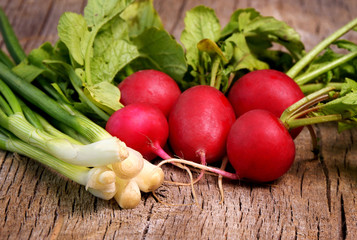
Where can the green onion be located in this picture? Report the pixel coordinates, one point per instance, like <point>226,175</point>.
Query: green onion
<point>68,116</point>
<point>10,39</point>
<point>103,152</point>
<point>100,181</point>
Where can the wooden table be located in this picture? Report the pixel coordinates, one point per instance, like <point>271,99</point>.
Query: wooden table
<point>316,199</point>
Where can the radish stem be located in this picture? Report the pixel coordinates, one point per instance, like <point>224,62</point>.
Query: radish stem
<point>214,71</point>
<point>293,109</point>
<point>304,61</point>
<point>313,87</point>
<point>294,123</point>
<point>304,78</point>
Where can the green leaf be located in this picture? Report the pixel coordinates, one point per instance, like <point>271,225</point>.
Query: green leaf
<point>348,86</point>
<point>98,12</point>
<point>158,50</point>
<point>238,20</point>
<point>99,47</point>
<point>73,32</point>
<point>344,104</point>
<point>267,29</point>
<point>116,29</point>
<point>140,16</point>
<point>36,56</point>
<point>345,44</point>
<point>105,95</point>
<point>33,65</point>
<point>200,23</point>
<point>65,69</point>
<point>118,54</point>
<point>278,60</point>
<point>211,47</point>
<point>347,124</point>
<point>242,57</point>
<point>27,72</point>
<point>111,51</point>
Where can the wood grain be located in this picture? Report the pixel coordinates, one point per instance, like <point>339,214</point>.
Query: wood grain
<point>316,199</point>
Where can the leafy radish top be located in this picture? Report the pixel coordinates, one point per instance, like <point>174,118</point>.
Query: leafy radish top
<point>216,55</point>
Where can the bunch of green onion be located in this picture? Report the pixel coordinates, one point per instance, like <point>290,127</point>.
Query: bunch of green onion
<point>52,132</point>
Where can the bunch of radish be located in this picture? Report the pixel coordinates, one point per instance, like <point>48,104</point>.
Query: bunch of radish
<point>254,125</point>
<point>200,125</point>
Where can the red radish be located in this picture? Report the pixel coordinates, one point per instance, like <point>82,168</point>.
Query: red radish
<point>265,89</point>
<point>259,147</point>
<point>199,123</point>
<point>142,127</point>
<point>152,87</point>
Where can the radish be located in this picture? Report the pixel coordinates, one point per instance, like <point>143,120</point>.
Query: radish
<point>259,146</point>
<point>142,127</point>
<point>152,87</point>
<point>199,123</point>
<point>265,89</point>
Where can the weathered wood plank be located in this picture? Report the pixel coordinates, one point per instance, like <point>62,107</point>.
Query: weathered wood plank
<point>316,199</point>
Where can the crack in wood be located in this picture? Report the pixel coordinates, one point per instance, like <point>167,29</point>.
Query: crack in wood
<point>292,214</point>
<point>302,182</point>
<point>325,169</point>
<point>7,173</point>
<point>95,205</point>
<point>31,232</point>
<point>73,207</point>
<point>3,158</point>
<point>39,211</point>
<point>343,220</point>
<point>106,230</point>
<point>338,180</point>
<point>148,218</point>
<point>6,211</point>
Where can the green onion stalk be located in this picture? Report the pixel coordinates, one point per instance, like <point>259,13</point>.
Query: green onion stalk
<point>12,118</point>
<point>100,181</point>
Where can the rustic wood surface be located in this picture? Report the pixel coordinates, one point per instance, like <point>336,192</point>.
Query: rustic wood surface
<point>316,199</point>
